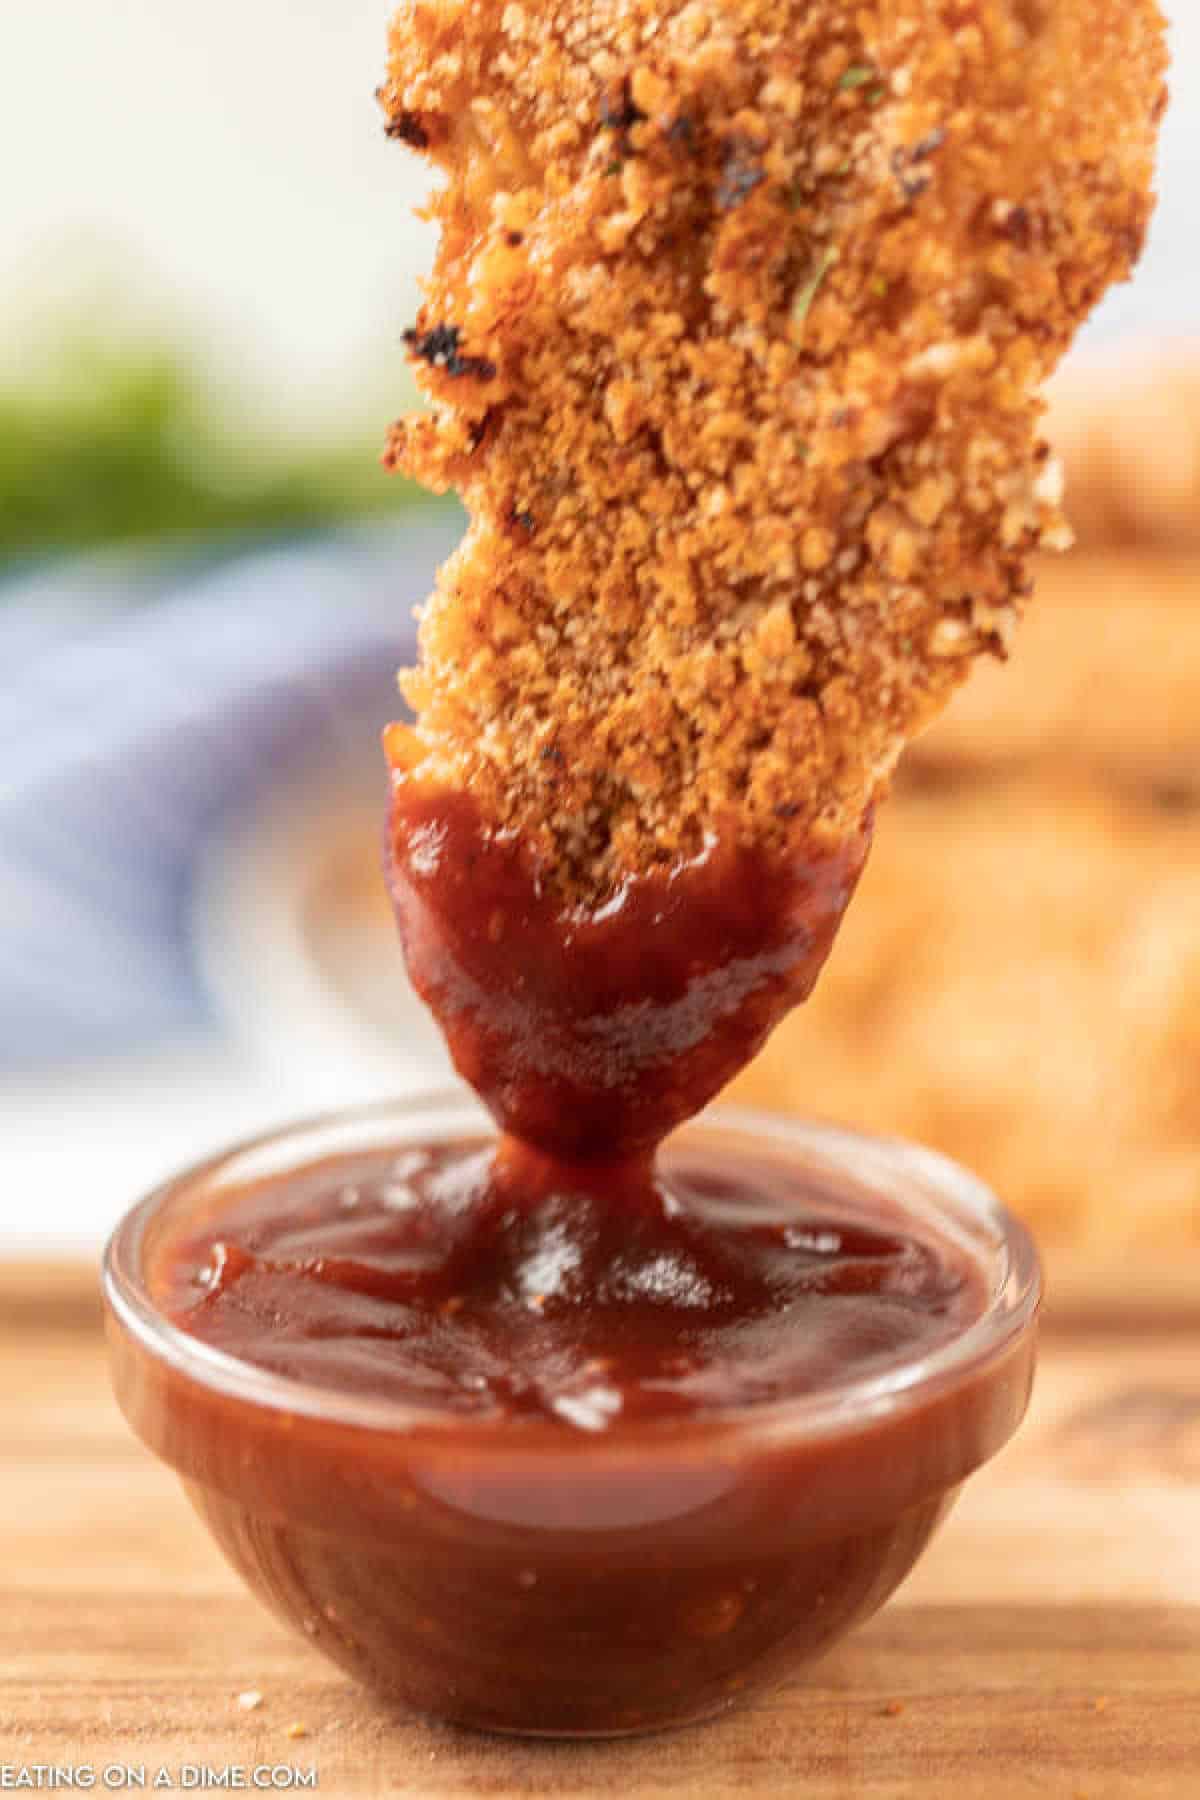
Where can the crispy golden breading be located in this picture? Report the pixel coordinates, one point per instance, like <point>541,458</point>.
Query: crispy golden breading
<point>733,342</point>
<point>1036,1014</point>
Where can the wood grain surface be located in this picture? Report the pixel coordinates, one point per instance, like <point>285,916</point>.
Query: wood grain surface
<point>1049,1644</point>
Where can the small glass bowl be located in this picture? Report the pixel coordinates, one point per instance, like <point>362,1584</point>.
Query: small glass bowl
<point>518,1577</point>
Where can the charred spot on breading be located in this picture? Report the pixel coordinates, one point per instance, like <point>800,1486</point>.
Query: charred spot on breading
<point>439,347</point>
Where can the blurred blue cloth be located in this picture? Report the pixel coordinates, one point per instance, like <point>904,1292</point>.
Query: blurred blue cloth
<point>145,703</point>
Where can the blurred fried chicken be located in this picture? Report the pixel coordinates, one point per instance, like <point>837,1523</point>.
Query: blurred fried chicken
<point>1105,685</point>
<point>1129,434</point>
<point>1037,1014</point>
<point>733,345</point>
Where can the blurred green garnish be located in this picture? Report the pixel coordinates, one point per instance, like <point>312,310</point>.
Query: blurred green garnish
<point>104,442</point>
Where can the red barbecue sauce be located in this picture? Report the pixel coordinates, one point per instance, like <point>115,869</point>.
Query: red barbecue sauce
<point>572,1270</point>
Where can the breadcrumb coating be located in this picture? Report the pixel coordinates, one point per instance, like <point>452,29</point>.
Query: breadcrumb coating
<point>734,343</point>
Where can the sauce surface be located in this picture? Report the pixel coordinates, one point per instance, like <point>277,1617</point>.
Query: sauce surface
<point>479,1280</point>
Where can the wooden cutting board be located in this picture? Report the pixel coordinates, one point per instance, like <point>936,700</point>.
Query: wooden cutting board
<point>1049,1644</point>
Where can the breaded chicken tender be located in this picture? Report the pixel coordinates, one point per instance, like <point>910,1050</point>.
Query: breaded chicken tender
<point>734,344</point>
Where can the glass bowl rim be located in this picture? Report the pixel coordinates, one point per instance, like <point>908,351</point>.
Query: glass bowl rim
<point>1011,1309</point>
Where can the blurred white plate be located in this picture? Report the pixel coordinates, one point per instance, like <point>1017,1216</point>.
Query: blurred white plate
<point>295,938</point>
<point>159,859</point>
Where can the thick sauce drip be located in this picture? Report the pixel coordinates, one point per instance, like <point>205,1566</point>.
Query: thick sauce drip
<point>593,1033</point>
<point>484,1282</point>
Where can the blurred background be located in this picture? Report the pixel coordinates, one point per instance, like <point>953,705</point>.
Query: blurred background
<point>207,257</point>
